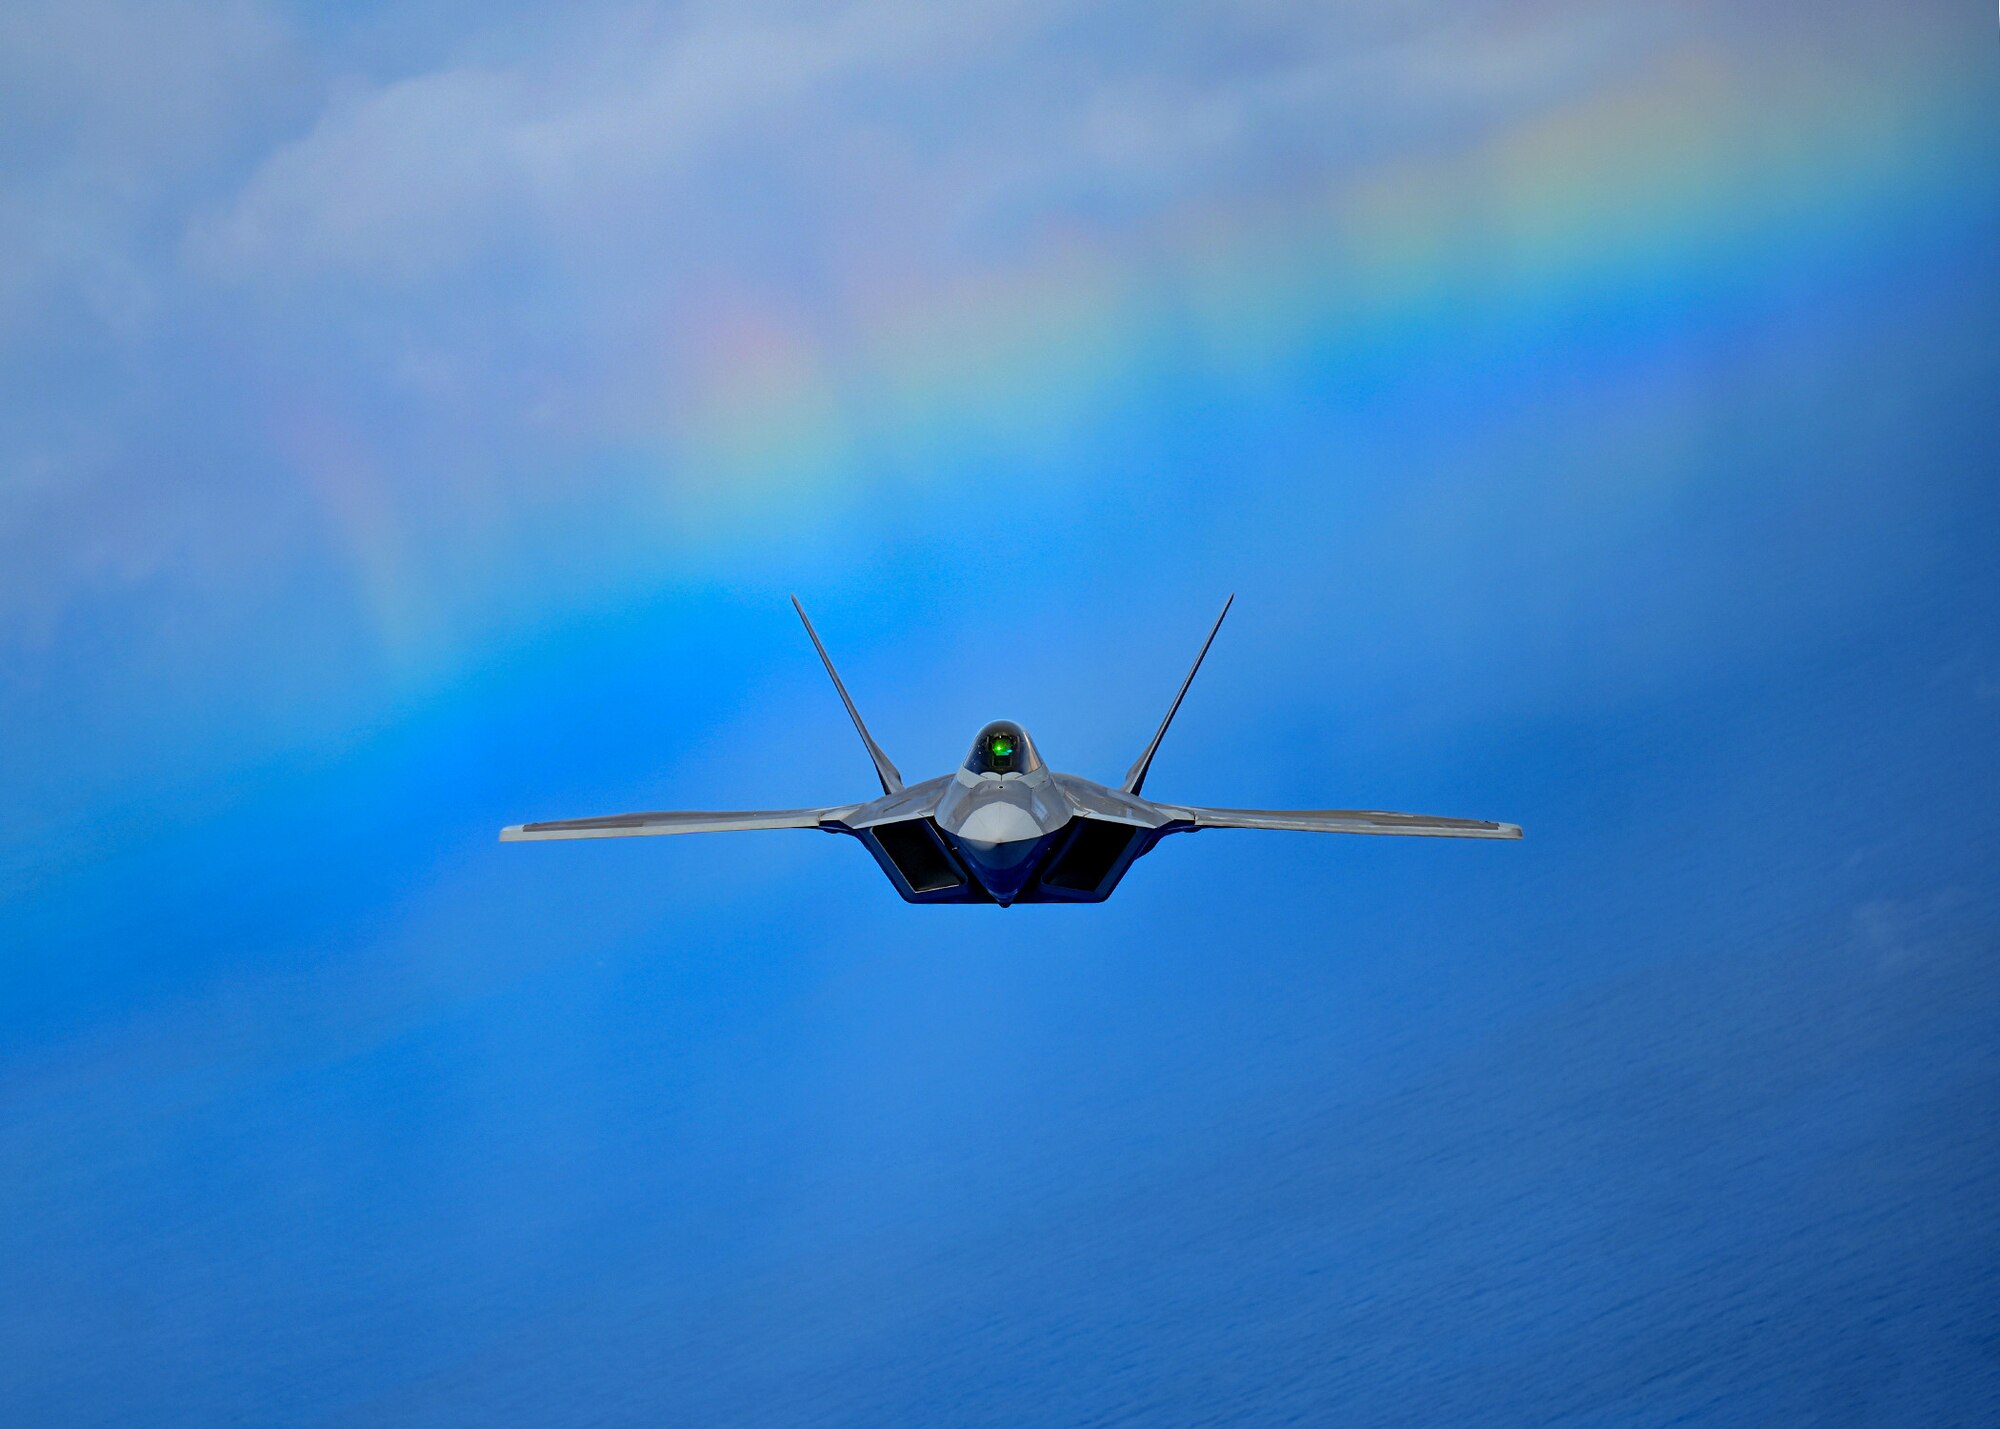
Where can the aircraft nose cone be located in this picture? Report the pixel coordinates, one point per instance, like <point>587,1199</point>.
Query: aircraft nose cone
<point>1002,828</point>
<point>1004,867</point>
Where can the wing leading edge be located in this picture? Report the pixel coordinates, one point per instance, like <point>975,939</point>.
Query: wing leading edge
<point>1347,821</point>
<point>679,821</point>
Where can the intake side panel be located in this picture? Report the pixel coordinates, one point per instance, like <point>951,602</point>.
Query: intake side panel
<point>920,863</point>
<point>1091,860</point>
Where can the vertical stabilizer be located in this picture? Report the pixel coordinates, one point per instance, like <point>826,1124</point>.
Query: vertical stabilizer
<point>892,782</point>
<point>1135,777</point>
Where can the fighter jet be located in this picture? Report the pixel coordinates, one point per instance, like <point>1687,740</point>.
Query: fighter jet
<point>1003,827</point>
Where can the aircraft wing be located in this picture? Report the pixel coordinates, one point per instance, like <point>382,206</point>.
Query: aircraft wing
<point>679,821</point>
<point>1347,821</point>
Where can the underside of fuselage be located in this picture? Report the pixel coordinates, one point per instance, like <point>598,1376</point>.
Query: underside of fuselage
<point>1081,862</point>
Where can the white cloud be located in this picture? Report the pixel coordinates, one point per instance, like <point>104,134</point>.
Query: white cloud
<point>538,231</point>
<point>401,179</point>
<point>952,117</point>
<point>110,111</point>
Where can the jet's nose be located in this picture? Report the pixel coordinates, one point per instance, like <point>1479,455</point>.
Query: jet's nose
<point>1002,810</point>
<point>1004,868</point>
<point>1000,841</point>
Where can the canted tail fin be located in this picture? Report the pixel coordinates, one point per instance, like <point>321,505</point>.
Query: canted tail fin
<point>1135,777</point>
<point>892,782</point>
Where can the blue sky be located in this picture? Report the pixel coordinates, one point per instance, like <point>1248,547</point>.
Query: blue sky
<point>417,418</point>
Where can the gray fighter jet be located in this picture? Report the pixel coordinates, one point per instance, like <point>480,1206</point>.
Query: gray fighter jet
<point>1004,828</point>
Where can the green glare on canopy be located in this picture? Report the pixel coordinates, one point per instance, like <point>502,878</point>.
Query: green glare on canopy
<point>1001,746</point>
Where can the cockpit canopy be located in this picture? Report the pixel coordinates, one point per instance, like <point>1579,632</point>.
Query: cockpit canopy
<point>1003,747</point>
